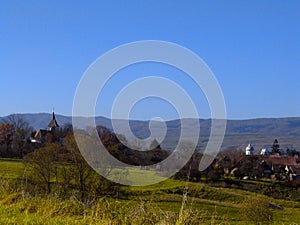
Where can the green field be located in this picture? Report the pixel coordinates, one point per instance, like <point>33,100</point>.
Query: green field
<point>169,202</point>
<point>11,168</point>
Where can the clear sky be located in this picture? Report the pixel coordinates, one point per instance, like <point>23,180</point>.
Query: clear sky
<point>253,48</point>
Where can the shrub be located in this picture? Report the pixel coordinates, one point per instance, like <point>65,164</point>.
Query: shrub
<point>257,210</point>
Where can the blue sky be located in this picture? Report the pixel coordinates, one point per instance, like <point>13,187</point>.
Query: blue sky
<point>253,48</point>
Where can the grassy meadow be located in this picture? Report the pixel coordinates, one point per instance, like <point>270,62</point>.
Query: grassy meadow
<point>168,202</point>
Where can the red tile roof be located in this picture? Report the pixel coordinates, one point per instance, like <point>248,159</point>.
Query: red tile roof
<point>281,160</point>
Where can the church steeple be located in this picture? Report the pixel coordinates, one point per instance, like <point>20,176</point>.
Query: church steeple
<point>53,123</point>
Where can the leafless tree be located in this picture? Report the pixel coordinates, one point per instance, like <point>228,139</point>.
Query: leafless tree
<point>44,163</point>
<point>21,132</point>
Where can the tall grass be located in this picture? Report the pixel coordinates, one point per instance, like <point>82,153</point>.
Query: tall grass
<point>170,202</point>
<point>19,207</point>
<point>15,209</point>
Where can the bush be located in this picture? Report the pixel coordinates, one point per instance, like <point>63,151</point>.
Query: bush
<point>257,210</point>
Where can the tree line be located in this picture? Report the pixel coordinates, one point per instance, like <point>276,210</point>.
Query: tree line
<point>58,167</point>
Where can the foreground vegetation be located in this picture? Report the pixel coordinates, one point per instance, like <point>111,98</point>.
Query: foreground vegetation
<point>51,183</point>
<point>169,202</point>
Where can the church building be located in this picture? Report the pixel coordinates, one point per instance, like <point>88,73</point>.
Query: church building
<point>48,135</point>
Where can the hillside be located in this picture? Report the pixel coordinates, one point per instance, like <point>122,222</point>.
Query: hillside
<point>260,132</point>
<point>161,203</point>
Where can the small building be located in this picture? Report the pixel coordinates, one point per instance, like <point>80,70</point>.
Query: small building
<point>249,150</point>
<point>295,175</point>
<point>265,152</point>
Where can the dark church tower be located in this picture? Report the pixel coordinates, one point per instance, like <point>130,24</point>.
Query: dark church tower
<point>49,135</point>
<point>53,123</point>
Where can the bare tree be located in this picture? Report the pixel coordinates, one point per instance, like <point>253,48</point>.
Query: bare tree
<point>6,136</point>
<point>44,163</point>
<point>81,170</point>
<point>21,132</point>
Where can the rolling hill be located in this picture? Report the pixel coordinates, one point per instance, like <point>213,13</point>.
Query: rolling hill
<point>260,132</point>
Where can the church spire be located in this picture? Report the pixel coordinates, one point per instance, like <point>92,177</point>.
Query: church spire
<point>53,123</point>
<point>53,115</point>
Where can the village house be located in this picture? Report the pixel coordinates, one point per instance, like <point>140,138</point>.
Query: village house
<point>264,165</point>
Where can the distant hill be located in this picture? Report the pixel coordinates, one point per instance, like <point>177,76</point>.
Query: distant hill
<point>260,132</point>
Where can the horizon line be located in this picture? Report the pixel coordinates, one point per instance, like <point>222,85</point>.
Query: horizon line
<point>171,119</point>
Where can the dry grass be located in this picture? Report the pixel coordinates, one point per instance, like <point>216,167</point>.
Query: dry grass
<point>170,202</point>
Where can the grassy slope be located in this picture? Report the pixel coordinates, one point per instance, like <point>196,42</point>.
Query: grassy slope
<point>226,202</point>
<point>163,200</point>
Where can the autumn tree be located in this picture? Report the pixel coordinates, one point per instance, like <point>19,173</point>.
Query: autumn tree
<point>17,121</point>
<point>6,137</point>
<point>21,133</point>
<point>107,137</point>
